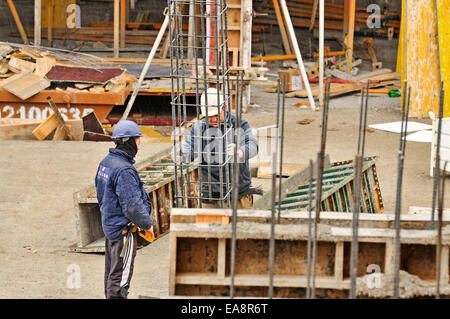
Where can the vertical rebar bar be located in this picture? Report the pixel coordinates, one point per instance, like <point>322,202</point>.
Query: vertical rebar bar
<point>281,147</point>
<point>173,102</point>
<point>308,253</point>
<point>401,156</point>
<point>320,165</point>
<point>235,189</point>
<point>272,225</point>
<point>358,163</point>
<point>439,234</point>
<point>437,163</point>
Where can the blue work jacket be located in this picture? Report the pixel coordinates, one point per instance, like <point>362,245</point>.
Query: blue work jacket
<point>121,195</point>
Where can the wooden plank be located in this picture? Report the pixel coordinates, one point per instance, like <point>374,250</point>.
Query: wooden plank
<point>21,65</point>
<point>122,22</point>
<point>25,85</point>
<point>59,13</point>
<point>350,28</point>
<point>288,185</point>
<point>59,135</point>
<point>50,21</point>
<point>221,258</point>
<point>18,131</point>
<point>44,65</point>
<point>339,261</point>
<point>37,22</point>
<point>342,88</point>
<point>46,127</point>
<point>173,262</point>
<point>116,27</point>
<point>289,169</point>
<point>445,265</point>
<point>18,22</point>
<point>76,129</point>
<point>259,280</point>
<point>60,119</point>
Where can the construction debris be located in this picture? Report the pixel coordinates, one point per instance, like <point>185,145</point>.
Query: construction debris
<point>29,71</point>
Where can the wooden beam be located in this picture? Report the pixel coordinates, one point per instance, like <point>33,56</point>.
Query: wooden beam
<point>50,22</point>
<point>122,22</point>
<point>116,27</point>
<point>18,22</point>
<point>346,16</point>
<point>46,127</point>
<point>58,115</point>
<point>191,26</point>
<point>339,261</point>
<point>313,14</point>
<point>350,29</point>
<point>221,258</point>
<point>284,37</point>
<point>173,262</point>
<point>37,22</point>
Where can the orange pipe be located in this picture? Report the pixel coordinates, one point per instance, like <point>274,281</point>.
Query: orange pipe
<point>274,57</point>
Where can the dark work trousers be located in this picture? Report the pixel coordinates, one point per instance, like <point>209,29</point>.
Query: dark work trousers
<point>118,270</point>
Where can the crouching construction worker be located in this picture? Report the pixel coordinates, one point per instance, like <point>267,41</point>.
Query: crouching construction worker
<point>205,138</point>
<point>124,207</point>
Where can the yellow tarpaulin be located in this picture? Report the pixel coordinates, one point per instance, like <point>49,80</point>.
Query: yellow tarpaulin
<point>418,46</point>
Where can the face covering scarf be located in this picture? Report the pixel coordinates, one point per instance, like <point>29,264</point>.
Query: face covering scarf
<point>129,147</point>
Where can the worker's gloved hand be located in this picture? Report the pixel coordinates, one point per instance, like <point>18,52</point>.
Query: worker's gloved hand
<point>185,153</point>
<point>176,156</point>
<point>230,150</point>
<point>151,231</point>
<point>185,149</point>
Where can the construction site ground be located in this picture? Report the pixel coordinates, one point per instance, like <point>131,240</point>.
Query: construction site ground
<point>39,178</point>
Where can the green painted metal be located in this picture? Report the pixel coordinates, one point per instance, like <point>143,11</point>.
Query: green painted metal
<point>337,194</point>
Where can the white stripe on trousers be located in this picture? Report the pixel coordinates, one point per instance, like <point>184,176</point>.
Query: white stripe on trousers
<point>127,261</point>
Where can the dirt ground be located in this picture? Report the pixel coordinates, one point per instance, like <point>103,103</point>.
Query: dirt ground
<point>38,179</point>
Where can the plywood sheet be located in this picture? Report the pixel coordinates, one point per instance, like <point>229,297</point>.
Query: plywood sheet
<point>421,55</point>
<point>395,127</point>
<point>25,85</point>
<point>80,74</point>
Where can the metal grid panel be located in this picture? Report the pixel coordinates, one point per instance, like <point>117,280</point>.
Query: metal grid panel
<point>209,68</point>
<point>337,189</point>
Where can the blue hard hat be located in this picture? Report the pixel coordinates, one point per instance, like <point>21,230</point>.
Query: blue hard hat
<point>126,128</point>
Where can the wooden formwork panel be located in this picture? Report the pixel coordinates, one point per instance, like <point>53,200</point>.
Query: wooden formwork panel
<point>201,254</point>
<point>368,254</point>
<point>290,259</point>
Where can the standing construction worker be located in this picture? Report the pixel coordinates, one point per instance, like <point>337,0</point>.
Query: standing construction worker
<point>206,141</point>
<point>124,207</point>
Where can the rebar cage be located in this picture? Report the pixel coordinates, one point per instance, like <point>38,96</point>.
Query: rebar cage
<point>199,57</point>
